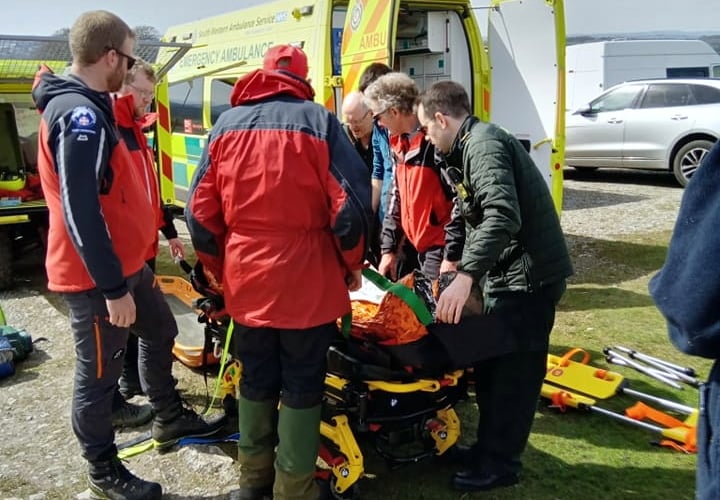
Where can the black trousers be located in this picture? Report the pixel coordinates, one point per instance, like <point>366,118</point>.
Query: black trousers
<point>508,386</point>
<point>130,371</point>
<point>100,351</point>
<point>289,364</point>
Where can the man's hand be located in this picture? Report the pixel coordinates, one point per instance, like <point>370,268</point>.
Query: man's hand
<point>447,266</point>
<point>388,266</point>
<point>452,300</point>
<point>177,249</point>
<point>354,280</point>
<point>121,311</point>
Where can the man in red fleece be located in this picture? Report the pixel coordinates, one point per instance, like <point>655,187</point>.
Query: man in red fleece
<point>279,210</point>
<point>130,107</point>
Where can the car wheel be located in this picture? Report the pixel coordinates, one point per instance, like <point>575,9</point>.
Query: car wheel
<point>688,159</point>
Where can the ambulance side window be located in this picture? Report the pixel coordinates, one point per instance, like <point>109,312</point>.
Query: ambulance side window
<point>186,106</point>
<point>220,91</point>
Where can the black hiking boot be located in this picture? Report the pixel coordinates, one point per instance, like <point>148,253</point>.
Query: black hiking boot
<point>129,388</point>
<point>177,422</point>
<point>131,415</point>
<point>110,480</point>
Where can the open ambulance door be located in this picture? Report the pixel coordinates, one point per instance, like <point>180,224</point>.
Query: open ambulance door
<point>526,40</point>
<point>368,37</point>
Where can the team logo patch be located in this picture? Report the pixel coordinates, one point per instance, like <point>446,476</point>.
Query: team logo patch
<point>356,15</point>
<point>83,119</point>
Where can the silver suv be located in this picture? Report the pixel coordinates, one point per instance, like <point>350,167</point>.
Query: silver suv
<point>662,124</point>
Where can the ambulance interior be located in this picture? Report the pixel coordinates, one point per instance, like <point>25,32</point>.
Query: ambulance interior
<point>423,47</point>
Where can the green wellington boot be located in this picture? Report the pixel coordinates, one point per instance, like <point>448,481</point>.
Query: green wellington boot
<point>256,448</point>
<point>299,433</point>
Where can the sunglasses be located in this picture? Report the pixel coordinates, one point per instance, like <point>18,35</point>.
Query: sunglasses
<point>130,60</point>
<point>376,116</point>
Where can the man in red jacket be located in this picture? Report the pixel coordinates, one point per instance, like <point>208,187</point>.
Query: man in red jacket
<point>130,107</point>
<point>97,244</point>
<point>279,211</point>
<point>421,207</point>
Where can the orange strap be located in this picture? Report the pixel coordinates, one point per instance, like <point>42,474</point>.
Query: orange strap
<point>685,448</point>
<point>564,361</point>
<point>559,399</point>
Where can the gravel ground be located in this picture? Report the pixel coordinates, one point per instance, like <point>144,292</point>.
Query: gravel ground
<point>610,203</point>
<point>39,457</point>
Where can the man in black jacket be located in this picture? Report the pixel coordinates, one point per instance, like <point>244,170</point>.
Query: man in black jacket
<point>515,242</point>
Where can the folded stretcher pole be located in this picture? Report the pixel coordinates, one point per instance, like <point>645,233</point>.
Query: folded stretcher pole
<point>679,435</point>
<point>654,367</point>
<point>655,373</point>
<point>651,359</point>
<point>562,398</point>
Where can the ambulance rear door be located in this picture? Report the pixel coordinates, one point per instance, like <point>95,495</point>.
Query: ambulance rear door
<point>526,40</point>
<point>368,37</point>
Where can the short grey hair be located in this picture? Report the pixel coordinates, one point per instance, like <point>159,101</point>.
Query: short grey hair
<point>393,90</point>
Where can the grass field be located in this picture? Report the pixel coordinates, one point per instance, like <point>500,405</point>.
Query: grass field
<point>576,454</point>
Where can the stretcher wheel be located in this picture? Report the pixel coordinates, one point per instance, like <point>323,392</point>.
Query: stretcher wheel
<point>328,491</point>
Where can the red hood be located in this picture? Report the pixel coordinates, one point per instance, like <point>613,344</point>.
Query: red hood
<point>261,84</point>
<point>124,108</point>
<point>44,68</point>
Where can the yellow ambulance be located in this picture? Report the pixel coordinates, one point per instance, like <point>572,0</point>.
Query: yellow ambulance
<point>514,71</point>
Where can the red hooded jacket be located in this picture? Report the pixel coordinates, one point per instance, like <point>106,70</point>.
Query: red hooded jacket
<point>131,131</point>
<point>99,234</point>
<point>280,205</point>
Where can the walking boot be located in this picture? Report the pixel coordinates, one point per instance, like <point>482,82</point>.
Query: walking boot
<point>129,388</point>
<point>256,447</point>
<point>176,421</point>
<point>299,434</point>
<point>110,480</point>
<point>131,415</point>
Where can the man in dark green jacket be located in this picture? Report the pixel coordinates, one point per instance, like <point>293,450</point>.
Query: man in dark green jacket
<point>515,243</point>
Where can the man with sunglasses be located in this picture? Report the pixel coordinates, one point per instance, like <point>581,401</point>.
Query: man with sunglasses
<point>421,206</point>
<point>97,244</point>
<point>514,243</point>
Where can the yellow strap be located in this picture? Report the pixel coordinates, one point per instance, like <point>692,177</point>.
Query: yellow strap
<point>223,360</point>
<point>136,450</point>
